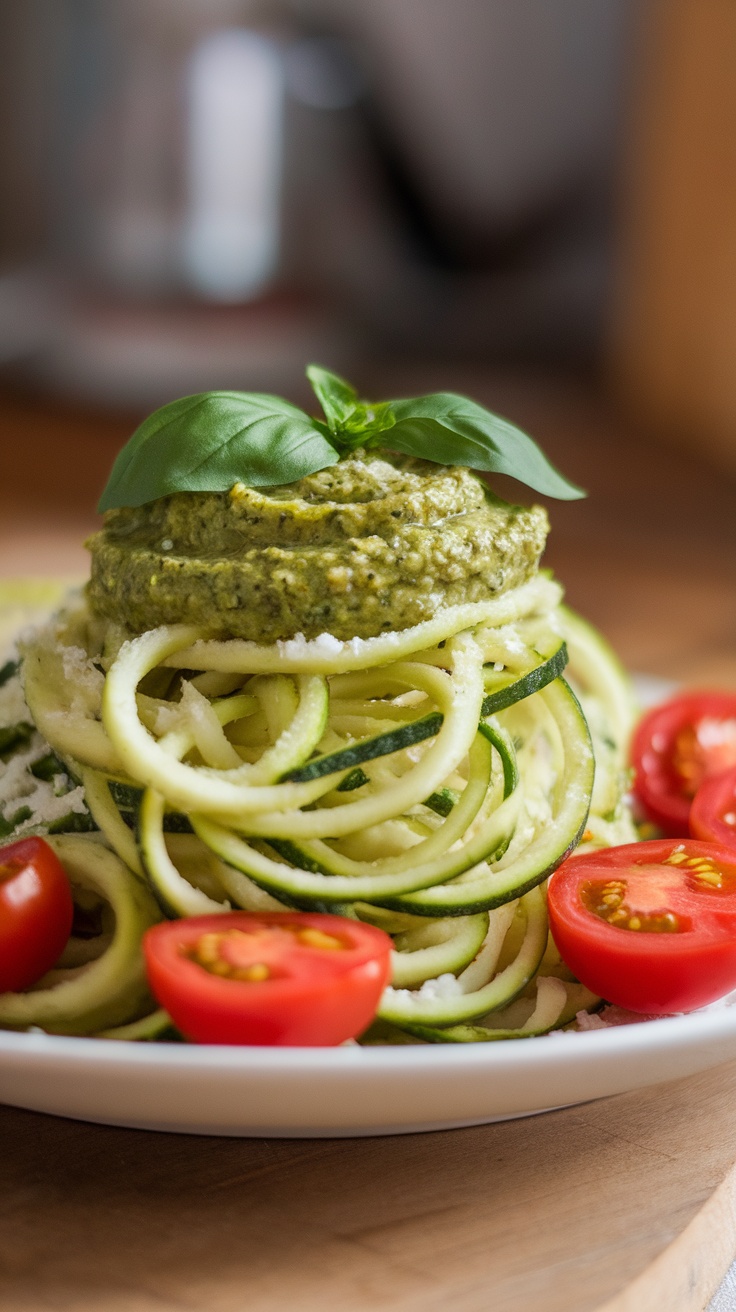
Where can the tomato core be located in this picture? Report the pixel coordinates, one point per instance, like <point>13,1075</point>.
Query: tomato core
<point>614,903</point>
<point>237,953</point>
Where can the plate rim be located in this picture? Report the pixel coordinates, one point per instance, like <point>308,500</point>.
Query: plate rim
<point>660,1034</point>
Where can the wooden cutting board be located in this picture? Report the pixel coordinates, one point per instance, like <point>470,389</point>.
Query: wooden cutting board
<point>622,1205</point>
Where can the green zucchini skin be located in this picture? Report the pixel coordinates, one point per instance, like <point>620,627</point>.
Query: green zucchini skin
<point>128,797</point>
<point>505,748</point>
<point>578,998</point>
<point>306,887</point>
<point>443,801</point>
<point>457,943</point>
<point>493,888</point>
<point>384,744</point>
<point>598,674</point>
<point>9,823</point>
<point>8,671</point>
<point>157,1027</point>
<point>487,894</point>
<point>47,767</point>
<point>356,779</point>
<point>72,823</point>
<point>405,1008</point>
<point>321,879</point>
<point>417,731</point>
<point>534,681</point>
<point>14,737</point>
<point>448,866</point>
<point>175,896</point>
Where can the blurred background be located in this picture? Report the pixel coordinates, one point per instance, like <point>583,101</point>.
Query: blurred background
<point>534,203</point>
<point>197,192</point>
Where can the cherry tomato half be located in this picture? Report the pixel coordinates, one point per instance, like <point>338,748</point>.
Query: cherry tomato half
<point>675,747</point>
<point>36,912</point>
<point>713,812</point>
<point>287,978</point>
<point>649,926</point>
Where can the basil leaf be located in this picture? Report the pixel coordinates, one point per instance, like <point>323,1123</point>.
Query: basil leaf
<point>338,399</point>
<point>452,430</point>
<point>208,442</point>
<point>442,427</point>
<point>350,420</point>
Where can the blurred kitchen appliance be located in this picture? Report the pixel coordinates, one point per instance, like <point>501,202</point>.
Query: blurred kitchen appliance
<point>232,186</point>
<point>170,148</point>
<point>176,258</point>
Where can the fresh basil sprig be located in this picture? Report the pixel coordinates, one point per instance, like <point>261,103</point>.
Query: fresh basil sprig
<point>455,431</point>
<point>208,442</point>
<point>352,422</point>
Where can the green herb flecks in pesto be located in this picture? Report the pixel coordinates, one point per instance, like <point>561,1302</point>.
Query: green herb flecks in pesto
<point>374,543</point>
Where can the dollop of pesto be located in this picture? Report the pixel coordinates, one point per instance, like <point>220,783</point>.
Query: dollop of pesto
<point>375,542</point>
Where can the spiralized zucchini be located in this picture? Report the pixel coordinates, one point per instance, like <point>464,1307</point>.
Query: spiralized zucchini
<point>111,989</point>
<point>427,781</point>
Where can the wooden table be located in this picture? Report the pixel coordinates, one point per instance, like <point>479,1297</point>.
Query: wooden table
<point>624,1205</point>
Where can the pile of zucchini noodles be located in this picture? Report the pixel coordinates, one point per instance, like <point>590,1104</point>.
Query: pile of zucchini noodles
<point>426,781</point>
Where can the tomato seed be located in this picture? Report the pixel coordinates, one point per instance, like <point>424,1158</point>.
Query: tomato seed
<point>316,938</point>
<point>608,904</point>
<point>254,974</point>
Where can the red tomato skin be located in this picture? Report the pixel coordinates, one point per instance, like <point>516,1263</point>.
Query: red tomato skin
<point>36,911</point>
<point>336,1003</point>
<point>715,798</point>
<point>650,973</point>
<point>652,746</point>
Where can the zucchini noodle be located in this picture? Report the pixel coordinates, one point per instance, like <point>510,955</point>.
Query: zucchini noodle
<point>427,781</point>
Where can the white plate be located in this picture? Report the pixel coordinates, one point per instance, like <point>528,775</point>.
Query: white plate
<point>349,1091</point>
<point>352,1091</point>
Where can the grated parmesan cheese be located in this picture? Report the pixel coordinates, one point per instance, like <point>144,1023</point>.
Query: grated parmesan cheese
<point>444,986</point>
<point>48,800</point>
<point>324,645</point>
<point>80,671</point>
<point>13,709</point>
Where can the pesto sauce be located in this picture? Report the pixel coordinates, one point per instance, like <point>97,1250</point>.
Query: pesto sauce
<point>376,542</point>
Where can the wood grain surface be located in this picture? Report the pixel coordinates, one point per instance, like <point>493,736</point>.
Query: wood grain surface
<point>623,1205</point>
<point>593,1207</point>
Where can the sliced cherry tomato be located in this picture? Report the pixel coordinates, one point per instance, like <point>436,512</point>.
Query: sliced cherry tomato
<point>675,747</point>
<point>288,978</point>
<point>713,812</point>
<point>649,926</point>
<point>36,912</point>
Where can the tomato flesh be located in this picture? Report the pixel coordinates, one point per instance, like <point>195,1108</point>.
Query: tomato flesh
<point>713,811</point>
<point>649,926</point>
<point>678,745</point>
<point>36,911</point>
<point>286,978</point>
